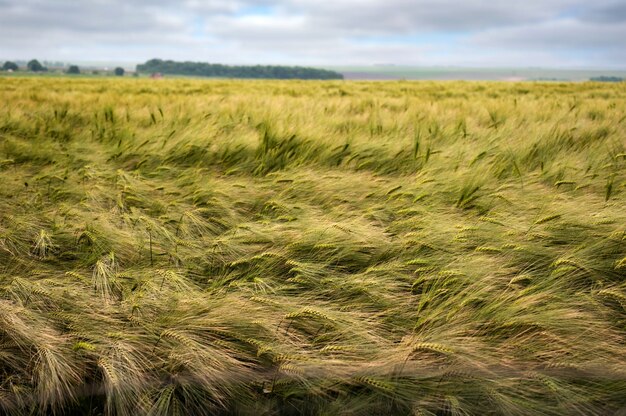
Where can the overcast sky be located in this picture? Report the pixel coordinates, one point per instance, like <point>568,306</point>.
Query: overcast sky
<point>547,33</point>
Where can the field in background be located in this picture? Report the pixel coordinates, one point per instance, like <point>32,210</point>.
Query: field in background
<point>256,247</point>
<point>359,73</point>
<point>393,72</point>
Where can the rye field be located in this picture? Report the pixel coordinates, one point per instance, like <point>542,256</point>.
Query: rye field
<point>188,247</point>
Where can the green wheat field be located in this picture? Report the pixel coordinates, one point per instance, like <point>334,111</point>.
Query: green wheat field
<point>189,247</point>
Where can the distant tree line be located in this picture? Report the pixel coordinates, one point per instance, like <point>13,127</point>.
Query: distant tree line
<point>32,65</point>
<point>35,66</point>
<point>604,78</point>
<point>202,69</point>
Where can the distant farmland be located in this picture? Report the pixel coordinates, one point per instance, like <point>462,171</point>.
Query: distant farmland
<point>193,247</point>
<point>390,72</point>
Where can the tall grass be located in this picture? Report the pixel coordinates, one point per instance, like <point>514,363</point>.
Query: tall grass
<point>218,247</point>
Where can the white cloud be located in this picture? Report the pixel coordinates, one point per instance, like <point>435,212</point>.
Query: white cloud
<point>566,33</point>
<point>546,32</point>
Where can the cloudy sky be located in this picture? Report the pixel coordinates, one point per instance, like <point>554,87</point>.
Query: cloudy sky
<point>548,33</point>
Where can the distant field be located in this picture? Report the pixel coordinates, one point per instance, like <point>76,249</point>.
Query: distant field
<point>380,73</point>
<point>195,247</point>
<point>390,72</point>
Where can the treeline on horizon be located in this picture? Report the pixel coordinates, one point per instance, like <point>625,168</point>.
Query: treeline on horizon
<point>604,78</point>
<point>203,69</point>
